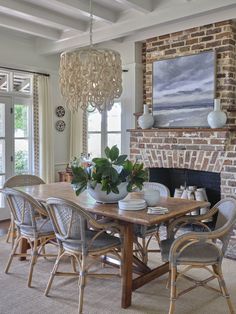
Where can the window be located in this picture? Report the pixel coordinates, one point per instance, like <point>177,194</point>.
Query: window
<point>104,129</point>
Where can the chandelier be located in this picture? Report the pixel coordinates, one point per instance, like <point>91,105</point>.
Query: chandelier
<point>90,77</point>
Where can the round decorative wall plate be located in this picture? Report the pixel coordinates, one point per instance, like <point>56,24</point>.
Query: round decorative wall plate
<point>60,125</point>
<point>60,111</point>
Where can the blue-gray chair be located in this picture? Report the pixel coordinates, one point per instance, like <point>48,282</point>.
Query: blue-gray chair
<point>27,217</point>
<point>147,233</point>
<point>203,249</point>
<point>78,241</point>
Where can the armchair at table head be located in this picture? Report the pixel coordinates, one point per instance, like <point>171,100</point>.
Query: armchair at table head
<point>147,233</point>
<point>200,249</point>
<point>79,235</point>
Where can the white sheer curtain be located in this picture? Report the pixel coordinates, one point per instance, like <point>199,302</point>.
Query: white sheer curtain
<point>76,134</point>
<point>46,168</point>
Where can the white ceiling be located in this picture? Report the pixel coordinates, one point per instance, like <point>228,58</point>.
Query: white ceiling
<point>58,25</point>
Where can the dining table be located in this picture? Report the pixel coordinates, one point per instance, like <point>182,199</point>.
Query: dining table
<point>127,218</point>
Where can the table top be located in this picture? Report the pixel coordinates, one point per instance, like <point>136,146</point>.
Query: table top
<point>177,207</point>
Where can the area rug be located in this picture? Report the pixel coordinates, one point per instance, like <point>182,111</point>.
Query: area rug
<point>101,295</point>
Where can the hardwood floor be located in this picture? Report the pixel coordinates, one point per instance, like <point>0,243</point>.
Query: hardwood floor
<point>4,225</point>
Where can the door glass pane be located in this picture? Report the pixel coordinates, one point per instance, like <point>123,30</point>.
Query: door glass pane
<point>114,118</point>
<point>94,121</point>
<point>2,200</point>
<point>21,156</point>
<point>21,120</point>
<point>114,139</point>
<point>2,156</point>
<point>2,120</point>
<point>94,145</point>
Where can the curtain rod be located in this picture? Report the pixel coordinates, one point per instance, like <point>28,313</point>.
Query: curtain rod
<point>20,70</point>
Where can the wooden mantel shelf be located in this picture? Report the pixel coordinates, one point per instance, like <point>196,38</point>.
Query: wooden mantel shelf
<point>225,129</point>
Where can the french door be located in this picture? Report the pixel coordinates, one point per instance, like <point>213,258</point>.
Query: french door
<point>15,141</point>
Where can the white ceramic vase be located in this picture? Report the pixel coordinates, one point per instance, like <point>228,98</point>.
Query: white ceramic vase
<point>146,120</point>
<point>216,118</point>
<point>102,196</point>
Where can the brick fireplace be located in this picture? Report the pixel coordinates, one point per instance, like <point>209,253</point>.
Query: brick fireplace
<point>193,148</point>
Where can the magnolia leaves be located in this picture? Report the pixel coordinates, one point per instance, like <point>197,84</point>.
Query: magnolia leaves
<point>109,172</point>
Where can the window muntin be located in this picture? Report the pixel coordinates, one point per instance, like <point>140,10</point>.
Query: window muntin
<point>104,129</point>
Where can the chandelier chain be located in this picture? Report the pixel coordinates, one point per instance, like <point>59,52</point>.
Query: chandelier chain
<point>91,24</point>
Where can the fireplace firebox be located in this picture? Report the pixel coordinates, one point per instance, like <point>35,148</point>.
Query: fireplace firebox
<point>175,177</point>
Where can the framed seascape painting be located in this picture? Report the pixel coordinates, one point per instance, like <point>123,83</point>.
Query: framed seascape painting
<point>184,90</point>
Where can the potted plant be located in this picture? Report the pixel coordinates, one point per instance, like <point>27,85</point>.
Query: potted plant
<point>108,179</point>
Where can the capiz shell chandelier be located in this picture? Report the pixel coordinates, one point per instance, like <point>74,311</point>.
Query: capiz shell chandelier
<point>90,77</point>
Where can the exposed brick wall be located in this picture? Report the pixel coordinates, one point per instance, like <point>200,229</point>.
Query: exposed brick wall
<point>198,150</point>
<point>220,37</point>
<point>211,150</point>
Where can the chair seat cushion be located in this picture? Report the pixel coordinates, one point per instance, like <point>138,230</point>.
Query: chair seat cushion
<point>102,242</point>
<point>195,253</point>
<point>44,228</point>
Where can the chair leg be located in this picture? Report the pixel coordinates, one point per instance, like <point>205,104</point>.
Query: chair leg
<point>53,273</point>
<point>34,256</point>
<point>82,284</point>
<point>173,289</point>
<point>73,263</point>
<point>218,271</point>
<point>12,254</point>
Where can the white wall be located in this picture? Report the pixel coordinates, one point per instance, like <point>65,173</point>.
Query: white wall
<point>19,52</point>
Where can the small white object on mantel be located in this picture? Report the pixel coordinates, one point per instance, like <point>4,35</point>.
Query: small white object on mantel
<point>217,118</point>
<point>146,120</point>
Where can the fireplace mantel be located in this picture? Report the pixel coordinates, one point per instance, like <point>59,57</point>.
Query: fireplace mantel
<point>225,129</point>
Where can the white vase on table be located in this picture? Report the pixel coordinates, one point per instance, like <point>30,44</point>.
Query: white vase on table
<point>217,118</point>
<point>146,120</point>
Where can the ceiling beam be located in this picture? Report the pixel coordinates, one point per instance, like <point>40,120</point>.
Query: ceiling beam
<point>130,26</point>
<point>139,5</point>
<point>43,14</point>
<point>100,12</point>
<point>29,27</point>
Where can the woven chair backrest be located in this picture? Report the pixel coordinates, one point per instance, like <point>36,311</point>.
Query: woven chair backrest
<point>69,220</point>
<point>22,180</point>
<point>164,191</point>
<point>23,207</point>
<point>226,215</point>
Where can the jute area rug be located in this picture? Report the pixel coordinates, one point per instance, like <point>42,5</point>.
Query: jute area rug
<point>101,295</point>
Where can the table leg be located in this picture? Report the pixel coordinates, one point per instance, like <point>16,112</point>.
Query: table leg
<point>127,266</point>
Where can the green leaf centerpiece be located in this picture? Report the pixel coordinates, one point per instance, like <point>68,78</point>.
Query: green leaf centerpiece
<point>111,177</point>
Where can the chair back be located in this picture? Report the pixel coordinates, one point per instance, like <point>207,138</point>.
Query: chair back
<point>69,221</point>
<point>22,180</point>
<point>24,208</point>
<point>226,219</point>
<point>164,191</point>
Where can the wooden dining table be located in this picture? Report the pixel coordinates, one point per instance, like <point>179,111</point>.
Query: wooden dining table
<point>127,218</point>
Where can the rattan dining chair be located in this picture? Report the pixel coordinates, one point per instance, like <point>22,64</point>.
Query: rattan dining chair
<point>203,249</point>
<point>147,233</point>
<point>16,181</point>
<point>79,242</point>
<point>38,231</point>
